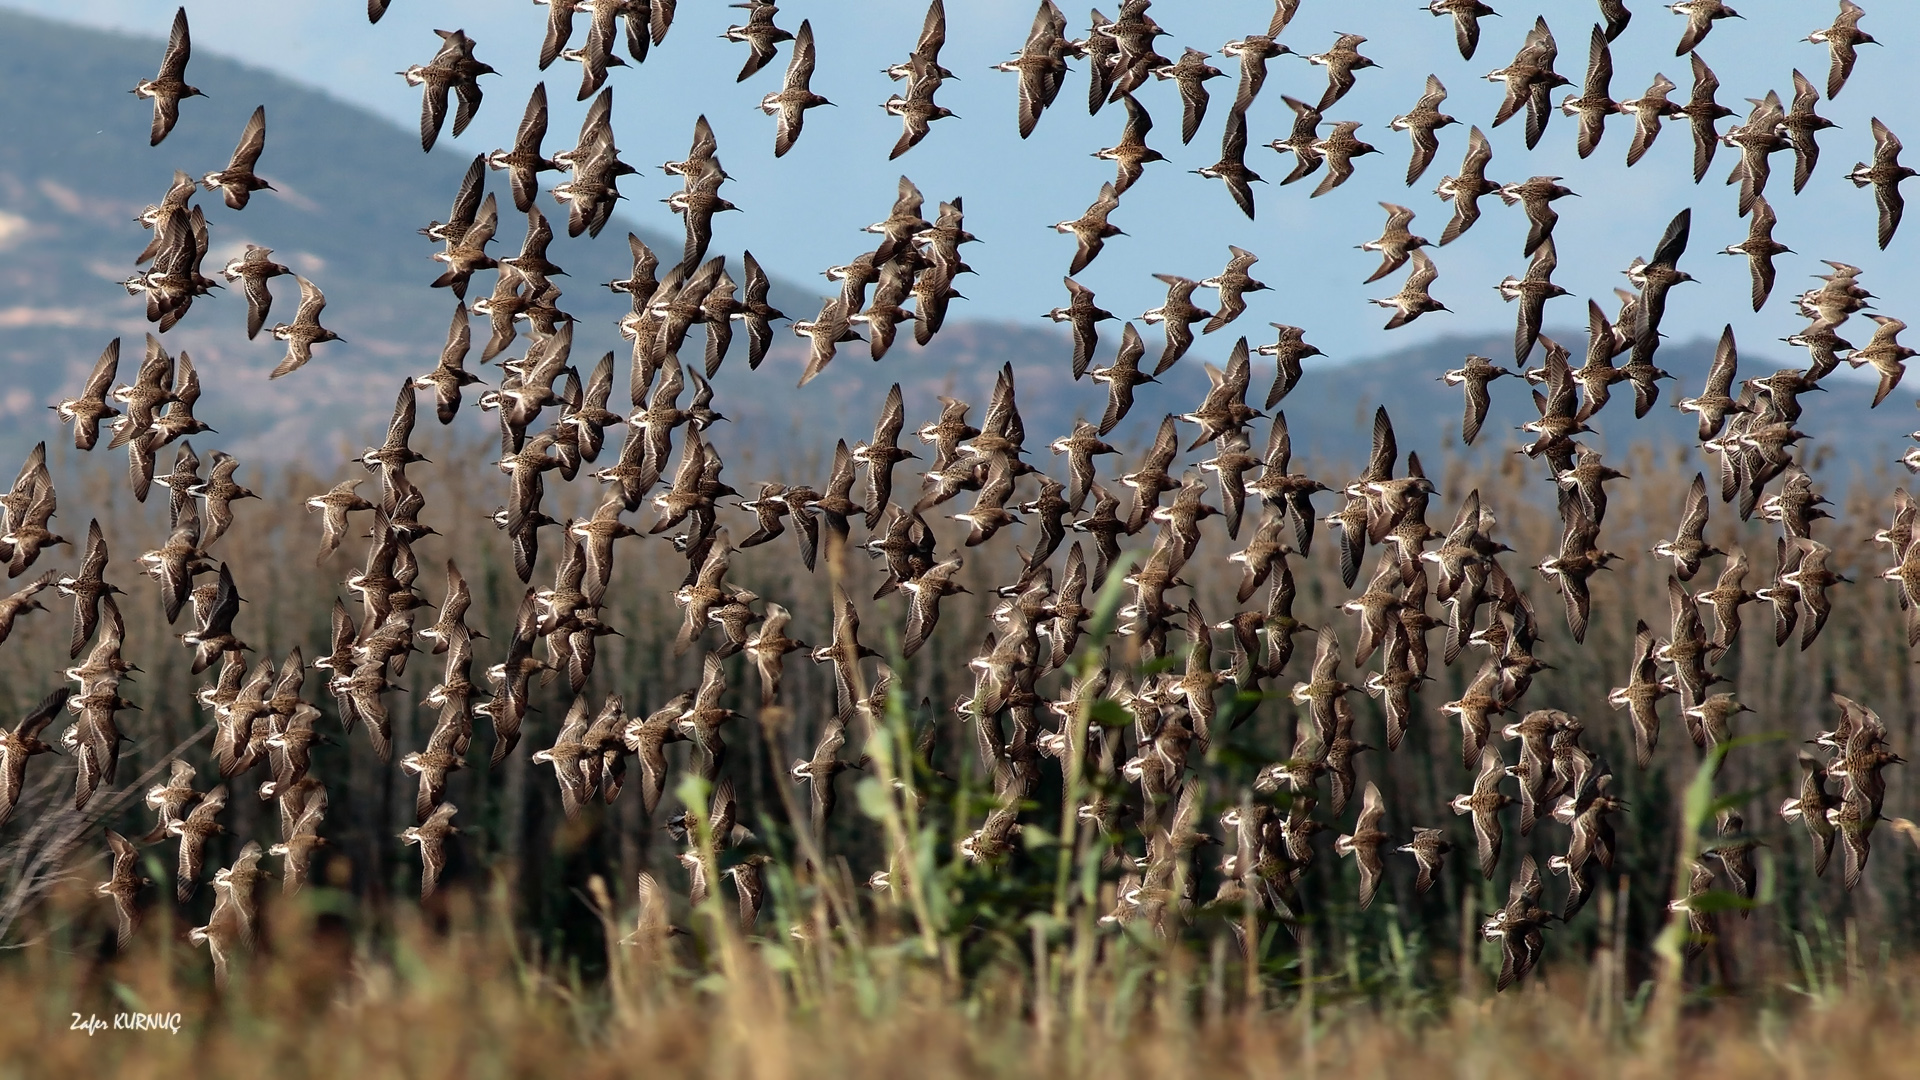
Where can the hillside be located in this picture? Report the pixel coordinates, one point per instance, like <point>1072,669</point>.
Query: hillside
<point>353,189</point>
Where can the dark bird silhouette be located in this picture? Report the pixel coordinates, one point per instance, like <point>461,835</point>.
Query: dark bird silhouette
<point>1701,15</point>
<point>1091,229</point>
<point>1529,79</point>
<point>1760,248</point>
<point>1084,317</point>
<point>1464,191</point>
<point>1702,111</point>
<point>1594,104</point>
<point>1648,111</point>
<point>760,35</point>
<point>237,182</point>
<point>1884,176</point>
<point>170,85</point>
<point>1466,21</point>
<point>1424,120</point>
<point>452,70</point>
<point>1841,40</point>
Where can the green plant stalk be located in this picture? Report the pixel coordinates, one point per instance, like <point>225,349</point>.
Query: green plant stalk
<point>905,836</point>
<point>694,793</point>
<point>1697,811</point>
<point>1106,606</point>
<point>897,813</point>
<point>810,846</point>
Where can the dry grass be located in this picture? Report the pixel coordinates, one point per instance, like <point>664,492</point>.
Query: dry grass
<point>986,971</point>
<point>464,1000</point>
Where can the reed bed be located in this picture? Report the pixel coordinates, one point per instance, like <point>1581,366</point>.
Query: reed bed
<point>465,998</point>
<point>519,966</point>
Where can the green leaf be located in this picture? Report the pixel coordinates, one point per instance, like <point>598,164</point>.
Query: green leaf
<point>1089,877</point>
<point>128,996</point>
<point>1162,663</point>
<point>1732,801</point>
<point>1046,922</point>
<point>693,790</point>
<point>1697,806</point>
<point>1109,713</point>
<point>1112,593</point>
<point>1769,891</point>
<point>872,795</point>
<point>1714,901</point>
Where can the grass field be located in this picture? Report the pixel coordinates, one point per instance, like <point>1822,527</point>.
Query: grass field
<point>467,1000</point>
<point>959,969</point>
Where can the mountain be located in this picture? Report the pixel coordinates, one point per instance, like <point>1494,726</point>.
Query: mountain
<point>353,189</point>
<point>1852,439</point>
<point>1330,413</point>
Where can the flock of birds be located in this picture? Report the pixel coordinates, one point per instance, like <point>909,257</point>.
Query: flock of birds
<point>1143,778</point>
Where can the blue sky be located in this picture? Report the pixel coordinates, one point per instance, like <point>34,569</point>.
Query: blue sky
<point>802,212</point>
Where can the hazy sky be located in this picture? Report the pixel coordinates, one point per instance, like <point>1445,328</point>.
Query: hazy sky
<point>802,212</point>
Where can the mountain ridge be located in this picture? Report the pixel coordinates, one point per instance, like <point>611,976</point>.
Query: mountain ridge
<point>75,169</point>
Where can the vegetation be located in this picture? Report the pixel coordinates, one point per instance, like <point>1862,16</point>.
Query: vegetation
<point>1067,840</point>
<point>987,961</point>
<point>469,997</point>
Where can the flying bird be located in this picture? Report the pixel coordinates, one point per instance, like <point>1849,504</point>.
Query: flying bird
<point>170,85</point>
